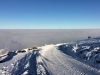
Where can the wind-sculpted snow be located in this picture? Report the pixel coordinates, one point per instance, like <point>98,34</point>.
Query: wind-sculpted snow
<point>87,51</point>
<point>75,58</point>
<point>20,64</point>
<point>26,65</point>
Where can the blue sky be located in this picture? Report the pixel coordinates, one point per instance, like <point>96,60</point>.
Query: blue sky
<point>49,14</point>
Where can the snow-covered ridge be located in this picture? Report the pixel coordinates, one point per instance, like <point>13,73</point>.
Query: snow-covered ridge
<point>87,51</point>
<point>17,62</point>
<point>75,58</point>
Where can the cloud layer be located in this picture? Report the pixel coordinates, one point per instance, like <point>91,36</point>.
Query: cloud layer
<point>15,39</point>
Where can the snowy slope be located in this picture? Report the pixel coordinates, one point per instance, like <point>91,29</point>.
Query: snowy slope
<point>75,58</point>
<point>18,63</point>
<point>87,51</point>
<point>58,63</point>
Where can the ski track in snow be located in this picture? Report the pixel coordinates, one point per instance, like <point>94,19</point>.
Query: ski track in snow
<point>61,64</point>
<point>26,66</point>
<point>46,60</point>
<point>21,64</point>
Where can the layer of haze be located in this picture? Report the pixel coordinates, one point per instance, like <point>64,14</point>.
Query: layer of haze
<point>16,39</point>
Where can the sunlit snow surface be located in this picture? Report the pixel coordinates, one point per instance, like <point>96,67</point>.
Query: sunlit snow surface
<point>75,58</point>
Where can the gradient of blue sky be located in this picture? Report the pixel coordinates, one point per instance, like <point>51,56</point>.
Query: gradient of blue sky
<point>49,14</point>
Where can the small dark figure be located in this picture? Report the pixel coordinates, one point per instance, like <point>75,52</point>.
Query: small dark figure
<point>89,37</point>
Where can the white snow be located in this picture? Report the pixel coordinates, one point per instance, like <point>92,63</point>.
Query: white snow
<point>75,48</point>
<point>58,63</point>
<point>25,73</point>
<point>75,58</point>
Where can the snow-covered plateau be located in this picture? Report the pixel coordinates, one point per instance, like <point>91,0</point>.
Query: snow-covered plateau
<point>75,58</point>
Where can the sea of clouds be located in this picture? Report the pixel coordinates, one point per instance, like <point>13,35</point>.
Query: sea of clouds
<point>16,39</point>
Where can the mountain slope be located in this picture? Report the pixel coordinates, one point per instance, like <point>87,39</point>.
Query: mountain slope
<point>75,58</point>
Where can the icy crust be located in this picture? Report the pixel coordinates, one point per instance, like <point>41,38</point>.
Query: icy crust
<point>87,51</point>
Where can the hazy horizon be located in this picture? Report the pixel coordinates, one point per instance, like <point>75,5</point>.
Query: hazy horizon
<point>16,39</point>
